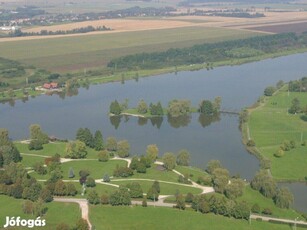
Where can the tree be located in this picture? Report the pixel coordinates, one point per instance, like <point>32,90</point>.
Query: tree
<point>212,165</point>
<point>106,178</point>
<point>46,195</point>
<point>141,167</point>
<point>255,208</point>
<point>28,207</point>
<point>142,107</point>
<point>283,198</point>
<point>115,108</point>
<point>123,148</point>
<point>156,186</point>
<point>60,188</point>
<point>134,162</point>
<point>296,106</point>
<point>93,197</point>
<point>37,134</point>
<point>189,198</point>
<point>104,198</point>
<point>90,182</point>
<point>71,173</point>
<point>135,190</point>
<point>146,161</point>
<point>35,145</point>
<point>9,153</point>
<point>169,160</point>
<point>144,202</point>
<point>269,91</point>
<point>183,158</point>
<point>71,189</point>
<point>39,168</point>
<point>234,189</point>
<point>122,171</point>
<point>279,153</point>
<point>241,210</point>
<point>152,152</point>
<point>178,108</point>
<point>85,136</point>
<point>111,144</point>
<point>152,194</point>
<point>98,141</point>
<point>220,179</point>
<point>180,202</point>
<point>76,150</point>
<point>120,197</point>
<point>103,156</point>
<point>82,225</point>
<point>206,107</point>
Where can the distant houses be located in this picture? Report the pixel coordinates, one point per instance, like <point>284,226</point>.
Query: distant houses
<point>50,86</point>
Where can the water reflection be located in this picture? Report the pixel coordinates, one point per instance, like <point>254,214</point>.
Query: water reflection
<point>175,122</point>
<point>205,120</point>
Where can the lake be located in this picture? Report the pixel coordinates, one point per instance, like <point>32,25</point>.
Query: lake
<point>205,139</point>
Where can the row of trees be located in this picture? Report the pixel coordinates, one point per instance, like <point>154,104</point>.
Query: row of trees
<point>123,195</point>
<point>87,29</point>
<point>176,108</point>
<point>207,53</point>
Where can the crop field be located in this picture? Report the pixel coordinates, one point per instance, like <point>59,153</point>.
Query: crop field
<point>283,28</point>
<point>270,125</point>
<point>75,53</point>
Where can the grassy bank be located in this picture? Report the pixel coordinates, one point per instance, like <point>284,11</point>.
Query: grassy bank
<point>270,125</point>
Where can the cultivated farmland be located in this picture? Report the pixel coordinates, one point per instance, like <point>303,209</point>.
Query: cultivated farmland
<point>77,52</point>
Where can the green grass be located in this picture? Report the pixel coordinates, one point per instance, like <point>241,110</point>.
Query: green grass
<point>194,172</point>
<point>29,161</point>
<point>97,169</point>
<point>53,217</point>
<point>156,174</point>
<point>270,125</point>
<point>165,188</point>
<point>78,52</point>
<point>48,150</point>
<point>167,218</point>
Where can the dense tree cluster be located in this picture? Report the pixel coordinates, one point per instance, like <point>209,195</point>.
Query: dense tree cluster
<point>178,108</point>
<point>221,206</point>
<point>8,151</point>
<point>298,85</point>
<point>263,183</point>
<point>96,142</point>
<point>210,108</point>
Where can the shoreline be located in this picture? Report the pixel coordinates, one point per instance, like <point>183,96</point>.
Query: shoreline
<point>131,75</point>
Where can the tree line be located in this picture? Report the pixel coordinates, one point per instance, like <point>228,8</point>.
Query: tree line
<point>207,53</point>
<point>176,107</point>
<point>87,29</point>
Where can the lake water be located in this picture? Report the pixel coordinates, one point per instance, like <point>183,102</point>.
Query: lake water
<point>220,138</point>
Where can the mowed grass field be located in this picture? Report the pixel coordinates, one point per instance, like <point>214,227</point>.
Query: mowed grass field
<point>74,53</point>
<point>137,217</point>
<point>271,124</point>
<point>13,208</point>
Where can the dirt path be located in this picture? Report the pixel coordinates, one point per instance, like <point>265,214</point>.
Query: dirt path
<point>83,206</point>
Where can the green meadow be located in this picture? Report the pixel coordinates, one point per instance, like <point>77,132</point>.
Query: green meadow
<point>270,125</point>
<point>137,217</point>
<point>53,217</point>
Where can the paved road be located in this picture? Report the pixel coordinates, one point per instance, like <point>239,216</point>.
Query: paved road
<point>83,206</point>
<point>268,218</point>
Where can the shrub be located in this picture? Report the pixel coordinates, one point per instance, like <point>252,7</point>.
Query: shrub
<point>251,143</point>
<point>279,153</point>
<point>267,211</point>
